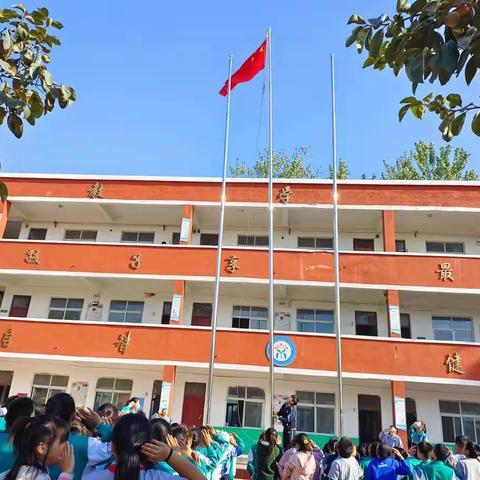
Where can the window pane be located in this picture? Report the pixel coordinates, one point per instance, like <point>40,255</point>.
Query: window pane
<point>101,398</point>
<point>366,318</point>
<point>324,327</point>
<point>306,397</point>
<point>325,399</point>
<point>59,381</point>
<point>175,238</point>
<point>89,235</point>
<point>400,246</point>
<point>463,335</point>
<point>306,314</point>
<point>116,317</point>
<point>133,317</point>
<point>253,414</point>
<point>242,240</point>
<point>123,384</point>
<point>56,314</point>
<point>72,234</point>
<point>435,247</point>
<point>261,241</point>
<point>75,303</point>
<point>135,306</point>
<point>468,427</point>
<point>457,425</point>
<point>447,428</point>
<point>308,327</point>
<point>105,383</point>
<point>146,237</point>
<point>258,324</point>
<point>324,315</point>
<point>470,408</point>
<point>449,407</point>
<point>37,234</point>
<point>259,312</point>
<point>118,305</point>
<point>443,335</point>
<point>39,395</point>
<point>73,314</point>
<point>306,242</point>
<point>453,247</point>
<point>477,430</point>
<point>236,392</point>
<point>364,244</point>
<point>58,302</point>
<point>129,236</point>
<point>325,420</point>
<point>40,379</point>
<point>306,419</point>
<point>324,243</point>
<point>254,392</point>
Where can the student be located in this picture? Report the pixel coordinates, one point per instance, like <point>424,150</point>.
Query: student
<point>418,432</point>
<point>302,465</point>
<point>132,406</point>
<point>330,450</point>
<point>436,469</point>
<point>108,412</point>
<point>268,454</point>
<point>460,444</point>
<point>86,449</point>
<point>468,468</point>
<point>19,407</point>
<point>4,411</point>
<point>288,416</point>
<point>365,456</point>
<point>251,460</point>
<point>39,443</point>
<point>345,466</point>
<point>390,437</point>
<point>385,466</point>
<point>135,454</point>
<point>423,452</point>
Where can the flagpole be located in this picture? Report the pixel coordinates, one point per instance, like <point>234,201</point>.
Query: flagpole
<point>219,248</point>
<point>270,228</point>
<point>338,330</point>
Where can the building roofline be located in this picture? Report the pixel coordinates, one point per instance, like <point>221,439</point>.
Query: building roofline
<point>155,178</point>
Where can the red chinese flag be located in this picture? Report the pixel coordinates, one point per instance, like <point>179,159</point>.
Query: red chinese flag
<point>252,65</point>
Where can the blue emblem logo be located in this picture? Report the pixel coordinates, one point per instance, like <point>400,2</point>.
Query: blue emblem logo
<point>284,351</point>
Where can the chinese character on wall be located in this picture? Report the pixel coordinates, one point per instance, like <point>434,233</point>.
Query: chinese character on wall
<point>453,362</point>
<point>232,264</point>
<point>136,261</point>
<point>32,256</point>
<point>95,191</point>
<point>6,338</point>
<point>123,342</point>
<point>445,272</point>
<point>285,193</point>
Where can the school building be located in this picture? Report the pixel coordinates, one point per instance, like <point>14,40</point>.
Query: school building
<point>107,284</point>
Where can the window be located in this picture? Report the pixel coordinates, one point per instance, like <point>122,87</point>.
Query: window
<point>460,418</point>
<point>363,244</point>
<point>245,407</point>
<point>318,321</point>
<point>453,328</point>
<point>405,329</point>
<point>45,386</point>
<point>176,238</point>
<point>125,311</point>
<point>316,412</point>
<point>208,239</point>
<point>12,229</point>
<point>138,237</point>
<point>81,235</point>
<point>37,234</point>
<point>400,246</point>
<point>250,317</point>
<point>65,308</point>
<point>253,240</point>
<point>445,247</point>
<point>366,323</point>
<point>113,390</point>
<point>315,242</point>
<point>166,312</point>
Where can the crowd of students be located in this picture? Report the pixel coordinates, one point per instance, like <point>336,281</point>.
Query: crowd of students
<point>63,442</point>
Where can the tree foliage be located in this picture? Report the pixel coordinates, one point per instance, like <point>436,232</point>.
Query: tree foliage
<point>27,88</point>
<point>342,170</point>
<point>434,40</point>
<point>285,165</point>
<point>424,163</point>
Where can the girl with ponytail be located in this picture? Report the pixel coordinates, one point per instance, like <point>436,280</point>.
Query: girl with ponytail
<point>136,454</point>
<point>40,443</point>
<point>302,464</point>
<point>268,454</point>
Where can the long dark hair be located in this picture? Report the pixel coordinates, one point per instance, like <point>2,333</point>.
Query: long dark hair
<point>473,450</point>
<point>160,429</point>
<point>303,443</point>
<point>27,433</point>
<point>271,436</point>
<point>20,407</point>
<point>61,405</point>
<point>129,434</point>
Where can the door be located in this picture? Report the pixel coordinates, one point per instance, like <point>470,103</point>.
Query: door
<point>202,314</point>
<point>156,396</point>
<point>411,410</point>
<point>366,324</point>
<point>20,305</point>
<point>6,377</point>
<point>369,418</point>
<point>405,325</point>
<point>193,403</point>
<point>166,312</point>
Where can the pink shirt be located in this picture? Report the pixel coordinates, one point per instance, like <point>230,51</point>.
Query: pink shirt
<point>301,466</point>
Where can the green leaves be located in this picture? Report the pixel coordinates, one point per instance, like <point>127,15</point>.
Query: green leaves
<point>403,6</point>
<point>356,19</point>
<point>476,124</point>
<point>3,192</point>
<point>28,90</point>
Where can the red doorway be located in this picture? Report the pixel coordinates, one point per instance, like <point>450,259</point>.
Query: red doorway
<point>193,403</point>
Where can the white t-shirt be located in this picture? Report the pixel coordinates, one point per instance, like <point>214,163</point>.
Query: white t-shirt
<point>345,469</point>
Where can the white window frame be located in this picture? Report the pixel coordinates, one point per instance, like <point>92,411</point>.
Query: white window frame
<point>245,399</point>
<point>315,321</point>
<point>82,232</point>
<point>113,391</point>
<point>137,233</point>
<point>316,405</point>
<point>50,387</point>
<point>445,243</point>
<point>462,416</point>
<point>250,317</point>
<point>66,308</point>
<point>451,318</point>
<point>315,241</point>
<point>126,311</point>
<point>255,239</point>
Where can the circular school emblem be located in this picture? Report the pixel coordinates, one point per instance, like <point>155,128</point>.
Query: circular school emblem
<point>284,351</point>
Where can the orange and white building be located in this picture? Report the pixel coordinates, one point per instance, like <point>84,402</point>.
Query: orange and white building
<point>106,291</point>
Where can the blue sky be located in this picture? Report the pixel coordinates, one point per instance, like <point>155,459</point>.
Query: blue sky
<point>147,76</point>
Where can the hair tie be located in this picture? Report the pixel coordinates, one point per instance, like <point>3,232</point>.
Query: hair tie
<point>306,442</point>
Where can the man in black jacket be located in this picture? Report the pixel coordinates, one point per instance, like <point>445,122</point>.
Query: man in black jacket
<point>288,416</point>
